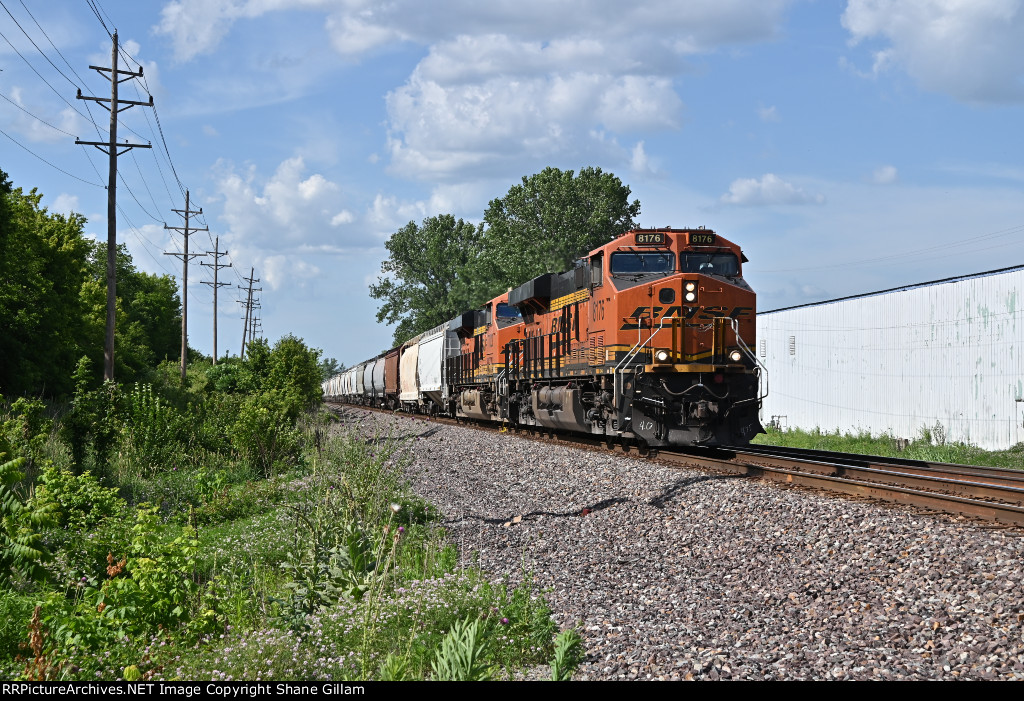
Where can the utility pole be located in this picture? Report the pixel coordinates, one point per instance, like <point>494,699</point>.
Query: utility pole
<point>185,258</point>
<point>256,322</point>
<point>248,305</point>
<point>216,265</point>
<point>110,148</point>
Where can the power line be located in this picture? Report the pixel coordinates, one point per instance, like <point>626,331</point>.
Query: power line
<point>55,91</point>
<point>36,45</point>
<point>66,62</point>
<point>35,117</point>
<point>70,175</point>
<point>92,6</point>
<point>143,178</point>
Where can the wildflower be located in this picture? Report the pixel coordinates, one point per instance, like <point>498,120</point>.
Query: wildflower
<point>396,507</point>
<point>504,621</point>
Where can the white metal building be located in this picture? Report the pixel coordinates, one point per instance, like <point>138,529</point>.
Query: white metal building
<point>945,355</point>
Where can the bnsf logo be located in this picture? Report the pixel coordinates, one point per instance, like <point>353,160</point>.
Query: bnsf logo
<point>688,314</point>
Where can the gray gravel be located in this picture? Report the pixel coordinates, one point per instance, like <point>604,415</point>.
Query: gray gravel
<point>691,575</point>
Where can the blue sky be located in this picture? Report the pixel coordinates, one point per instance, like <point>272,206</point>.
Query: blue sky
<point>847,146</point>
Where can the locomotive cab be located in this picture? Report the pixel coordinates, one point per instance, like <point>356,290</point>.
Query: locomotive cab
<point>684,326</point>
<point>648,339</point>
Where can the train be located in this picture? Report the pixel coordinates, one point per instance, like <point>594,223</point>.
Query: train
<point>647,341</point>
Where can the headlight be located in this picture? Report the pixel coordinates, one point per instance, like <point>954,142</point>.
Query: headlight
<point>735,356</point>
<point>691,286</point>
<point>661,356</point>
<point>691,296</point>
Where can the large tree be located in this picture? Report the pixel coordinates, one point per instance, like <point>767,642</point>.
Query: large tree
<point>148,321</point>
<point>42,268</point>
<point>53,301</point>
<point>418,279</point>
<point>545,224</point>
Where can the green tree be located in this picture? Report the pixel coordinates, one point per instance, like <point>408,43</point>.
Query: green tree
<point>543,225</point>
<point>417,287</point>
<point>42,268</point>
<point>329,367</point>
<point>148,322</point>
<point>290,368</point>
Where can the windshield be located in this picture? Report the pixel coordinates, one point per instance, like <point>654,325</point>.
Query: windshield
<point>507,315</point>
<point>629,263</point>
<point>709,263</point>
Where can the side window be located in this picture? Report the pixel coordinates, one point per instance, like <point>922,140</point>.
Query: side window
<point>597,271</point>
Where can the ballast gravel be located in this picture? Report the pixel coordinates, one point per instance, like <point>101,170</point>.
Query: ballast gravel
<point>673,574</point>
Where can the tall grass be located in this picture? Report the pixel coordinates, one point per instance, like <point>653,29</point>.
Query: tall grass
<point>930,445</point>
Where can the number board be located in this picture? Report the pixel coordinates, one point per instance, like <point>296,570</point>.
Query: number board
<point>702,239</point>
<point>656,238</point>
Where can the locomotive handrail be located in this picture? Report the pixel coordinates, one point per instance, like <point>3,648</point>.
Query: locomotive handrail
<point>635,350</point>
<point>750,354</point>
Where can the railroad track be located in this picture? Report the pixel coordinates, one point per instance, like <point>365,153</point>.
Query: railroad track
<point>988,493</point>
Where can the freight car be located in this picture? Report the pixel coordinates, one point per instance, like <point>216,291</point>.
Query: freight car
<point>647,340</point>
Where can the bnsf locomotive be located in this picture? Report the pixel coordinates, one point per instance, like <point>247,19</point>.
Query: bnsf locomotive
<point>648,340</point>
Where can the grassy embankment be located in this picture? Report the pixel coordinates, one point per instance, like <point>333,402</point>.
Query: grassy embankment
<point>210,536</point>
<point>929,446</point>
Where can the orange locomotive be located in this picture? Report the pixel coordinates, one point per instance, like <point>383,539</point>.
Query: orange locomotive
<point>647,340</point>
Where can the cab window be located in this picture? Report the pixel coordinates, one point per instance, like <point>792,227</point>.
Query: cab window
<point>507,315</point>
<point>630,263</point>
<point>725,264</point>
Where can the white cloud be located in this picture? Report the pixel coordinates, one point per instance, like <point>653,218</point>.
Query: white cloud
<point>210,130</point>
<point>769,190</point>
<point>286,271</point>
<point>359,26</point>
<point>198,26</point>
<point>343,217</point>
<point>641,163</point>
<point>768,114</point>
<point>33,128</point>
<point>445,129</point>
<point>288,220</point>
<point>884,175</point>
<point>969,49</point>
<point>65,204</point>
<point>505,83</point>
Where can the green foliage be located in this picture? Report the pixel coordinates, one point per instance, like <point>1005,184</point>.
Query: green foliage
<point>329,367</point>
<point>152,432</point>
<point>543,225</point>
<point>152,587</point>
<point>290,370</point>
<point>42,269</point>
<point>226,375</point>
<point>262,433</point>
<point>53,301</point>
<point>15,611</point>
<point>321,575</point>
<point>22,552</point>
<point>26,430</point>
<point>77,502</point>
<point>461,654</point>
<point>417,281</point>
<point>445,266</point>
<point>569,653</point>
<point>394,668</point>
<point>931,446</point>
<point>148,315</point>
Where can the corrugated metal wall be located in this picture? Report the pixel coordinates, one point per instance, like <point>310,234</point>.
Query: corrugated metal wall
<point>947,354</point>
